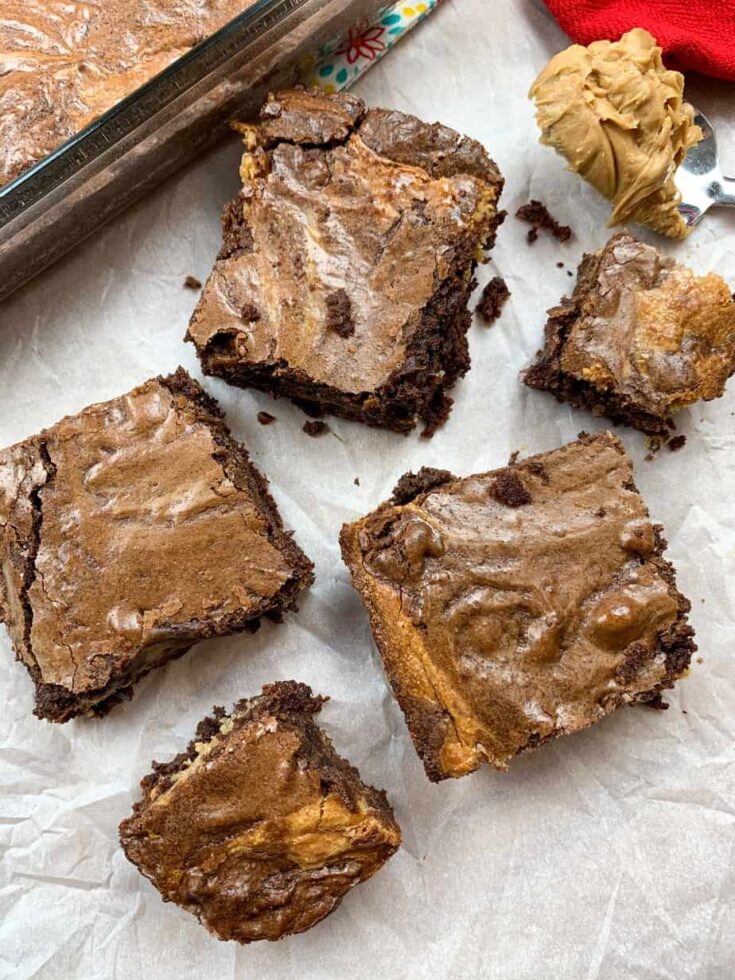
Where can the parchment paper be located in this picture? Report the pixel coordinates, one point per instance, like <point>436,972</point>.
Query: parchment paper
<point>606,855</point>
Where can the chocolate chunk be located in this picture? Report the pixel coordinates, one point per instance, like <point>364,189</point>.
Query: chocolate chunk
<point>339,313</point>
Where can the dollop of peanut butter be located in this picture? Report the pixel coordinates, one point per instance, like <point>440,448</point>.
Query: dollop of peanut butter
<point>619,118</point>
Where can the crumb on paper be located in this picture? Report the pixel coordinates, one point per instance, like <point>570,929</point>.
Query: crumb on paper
<point>191,282</point>
<point>265,418</point>
<point>316,428</point>
<point>676,443</point>
<point>493,298</point>
<point>356,481</point>
<point>536,214</point>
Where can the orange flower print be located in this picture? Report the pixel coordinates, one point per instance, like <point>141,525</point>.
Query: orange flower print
<point>365,44</point>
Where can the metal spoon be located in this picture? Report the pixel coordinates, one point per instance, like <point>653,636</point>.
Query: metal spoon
<point>699,178</point>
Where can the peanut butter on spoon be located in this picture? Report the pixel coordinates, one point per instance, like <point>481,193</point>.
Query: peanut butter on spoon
<point>619,118</point>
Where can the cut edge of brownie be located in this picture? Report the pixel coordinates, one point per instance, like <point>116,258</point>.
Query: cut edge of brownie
<point>426,721</point>
<point>54,702</point>
<point>291,702</point>
<point>546,373</point>
<point>437,355</point>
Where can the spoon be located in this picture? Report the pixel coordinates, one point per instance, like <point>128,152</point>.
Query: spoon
<point>699,178</point>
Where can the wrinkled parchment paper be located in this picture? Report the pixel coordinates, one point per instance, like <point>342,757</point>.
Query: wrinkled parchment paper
<point>606,855</point>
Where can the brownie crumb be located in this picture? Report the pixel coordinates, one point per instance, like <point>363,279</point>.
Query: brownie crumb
<point>513,458</point>
<point>356,481</point>
<point>339,313</point>
<point>411,485</point>
<point>265,418</point>
<point>316,428</point>
<point>532,235</point>
<point>250,313</point>
<point>676,443</point>
<point>536,214</point>
<point>510,490</point>
<point>700,660</point>
<point>493,297</point>
<point>191,282</point>
<point>570,273</point>
<point>560,265</point>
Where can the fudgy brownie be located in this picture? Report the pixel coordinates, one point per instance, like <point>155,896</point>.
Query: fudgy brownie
<point>641,337</point>
<point>259,828</point>
<point>347,260</point>
<point>128,533</point>
<point>515,606</point>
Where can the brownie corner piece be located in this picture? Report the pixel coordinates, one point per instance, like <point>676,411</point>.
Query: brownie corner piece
<point>259,828</point>
<point>641,337</point>
<point>128,533</point>
<point>515,606</point>
<point>347,260</point>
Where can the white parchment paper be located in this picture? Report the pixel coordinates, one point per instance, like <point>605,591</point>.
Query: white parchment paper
<point>606,855</point>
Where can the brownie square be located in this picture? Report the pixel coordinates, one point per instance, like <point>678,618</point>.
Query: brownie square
<point>641,337</point>
<point>128,533</point>
<point>259,828</point>
<point>347,261</point>
<point>518,605</point>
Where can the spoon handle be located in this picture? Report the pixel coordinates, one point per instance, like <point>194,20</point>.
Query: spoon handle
<point>724,192</point>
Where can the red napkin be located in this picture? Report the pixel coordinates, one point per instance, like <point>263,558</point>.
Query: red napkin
<point>698,35</point>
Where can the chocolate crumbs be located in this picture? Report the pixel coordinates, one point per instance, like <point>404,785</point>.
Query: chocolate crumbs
<point>510,490</point>
<point>536,214</point>
<point>265,418</point>
<point>492,300</point>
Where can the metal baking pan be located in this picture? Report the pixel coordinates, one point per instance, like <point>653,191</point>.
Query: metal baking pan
<point>159,127</point>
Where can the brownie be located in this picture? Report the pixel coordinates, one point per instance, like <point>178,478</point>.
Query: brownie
<point>128,533</point>
<point>259,828</point>
<point>641,337</point>
<point>515,606</point>
<point>347,261</point>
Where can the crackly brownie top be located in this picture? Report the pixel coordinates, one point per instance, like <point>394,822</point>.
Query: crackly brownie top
<point>64,64</point>
<point>127,526</point>
<point>517,604</point>
<point>347,222</point>
<point>649,328</point>
<point>260,828</point>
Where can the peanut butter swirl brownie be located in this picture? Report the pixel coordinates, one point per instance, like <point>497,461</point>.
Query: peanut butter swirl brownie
<point>347,261</point>
<point>259,828</point>
<point>128,533</point>
<point>518,605</point>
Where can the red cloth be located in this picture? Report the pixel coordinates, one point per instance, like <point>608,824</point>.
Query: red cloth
<point>698,35</point>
